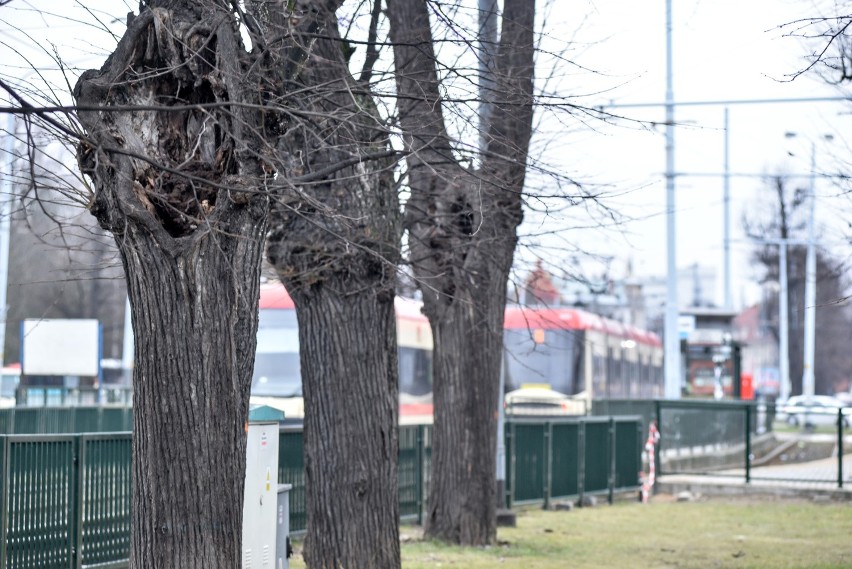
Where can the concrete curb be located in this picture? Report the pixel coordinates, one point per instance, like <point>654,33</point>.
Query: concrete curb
<point>715,486</point>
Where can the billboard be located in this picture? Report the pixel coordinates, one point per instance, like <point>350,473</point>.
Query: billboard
<point>60,347</point>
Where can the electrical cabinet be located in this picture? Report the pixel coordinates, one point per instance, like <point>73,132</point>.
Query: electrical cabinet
<point>260,507</point>
<point>282,545</point>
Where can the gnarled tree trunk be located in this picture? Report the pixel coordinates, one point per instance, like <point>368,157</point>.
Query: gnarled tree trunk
<point>462,231</point>
<point>178,188</point>
<point>334,241</point>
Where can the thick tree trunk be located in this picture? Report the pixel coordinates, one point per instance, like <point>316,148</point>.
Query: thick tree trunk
<point>195,324</point>
<point>349,373</point>
<point>335,245</point>
<point>462,499</point>
<point>462,233</point>
<point>177,185</point>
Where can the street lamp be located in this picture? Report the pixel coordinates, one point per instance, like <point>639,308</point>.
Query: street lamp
<point>810,282</point>
<point>784,324</point>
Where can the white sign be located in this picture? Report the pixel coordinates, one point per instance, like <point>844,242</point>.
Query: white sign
<point>706,336</point>
<point>685,324</point>
<point>61,347</point>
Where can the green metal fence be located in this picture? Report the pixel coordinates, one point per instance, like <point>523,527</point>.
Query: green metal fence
<point>545,461</point>
<point>413,468</point>
<point>104,498</point>
<point>291,470</point>
<point>702,436</point>
<point>66,501</point>
<point>557,460</point>
<point>412,471</point>
<point>645,408</point>
<point>754,441</point>
<point>66,498</point>
<point>65,420</point>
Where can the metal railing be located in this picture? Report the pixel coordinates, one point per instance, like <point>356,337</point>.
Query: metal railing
<point>755,442</point>
<point>64,420</point>
<point>66,498</point>
<point>66,501</point>
<point>567,458</point>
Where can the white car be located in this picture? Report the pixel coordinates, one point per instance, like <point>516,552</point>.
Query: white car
<point>822,410</point>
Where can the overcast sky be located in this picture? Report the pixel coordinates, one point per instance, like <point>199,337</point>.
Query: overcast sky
<point>723,49</point>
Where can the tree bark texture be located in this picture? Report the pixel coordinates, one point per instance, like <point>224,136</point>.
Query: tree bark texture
<point>349,376</point>
<point>334,241</point>
<point>462,228</point>
<point>180,188</point>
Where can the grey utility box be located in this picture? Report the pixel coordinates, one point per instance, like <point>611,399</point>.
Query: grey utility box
<point>282,537</point>
<point>260,507</point>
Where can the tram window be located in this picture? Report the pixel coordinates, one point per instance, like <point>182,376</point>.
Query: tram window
<point>415,371</point>
<point>277,375</point>
<point>277,370</point>
<point>601,385</point>
<point>614,375</point>
<point>550,362</point>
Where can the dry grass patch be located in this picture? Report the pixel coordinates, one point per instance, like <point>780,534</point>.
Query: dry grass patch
<point>729,533</point>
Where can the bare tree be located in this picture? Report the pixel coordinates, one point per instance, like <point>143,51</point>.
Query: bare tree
<point>828,37</point>
<point>187,138</point>
<point>334,241</point>
<point>784,218</point>
<point>56,275</point>
<point>173,145</point>
<point>462,226</point>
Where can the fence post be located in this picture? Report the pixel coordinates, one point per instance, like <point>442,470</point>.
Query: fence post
<point>840,447</point>
<point>748,443</point>
<point>581,460</point>
<point>641,439</point>
<point>658,464</point>
<point>419,475</point>
<point>612,454</point>
<point>548,462</point>
<point>510,482</point>
<point>4,500</point>
<point>76,501</point>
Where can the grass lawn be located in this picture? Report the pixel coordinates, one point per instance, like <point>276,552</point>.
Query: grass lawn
<point>756,533</point>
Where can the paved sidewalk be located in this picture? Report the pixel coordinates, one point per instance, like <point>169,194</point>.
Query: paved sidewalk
<point>737,486</point>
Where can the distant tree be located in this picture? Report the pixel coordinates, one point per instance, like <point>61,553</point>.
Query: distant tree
<point>462,229</point>
<point>827,35</point>
<point>783,216</point>
<point>61,263</point>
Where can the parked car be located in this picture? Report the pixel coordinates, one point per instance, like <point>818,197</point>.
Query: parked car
<point>821,411</point>
<point>541,402</point>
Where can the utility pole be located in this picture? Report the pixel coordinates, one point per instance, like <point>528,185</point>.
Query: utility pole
<point>810,291</point>
<point>487,43</point>
<point>783,325</point>
<point>810,281</point>
<point>5,226</point>
<point>726,204</point>
<point>783,315</point>
<point>671,336</point>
